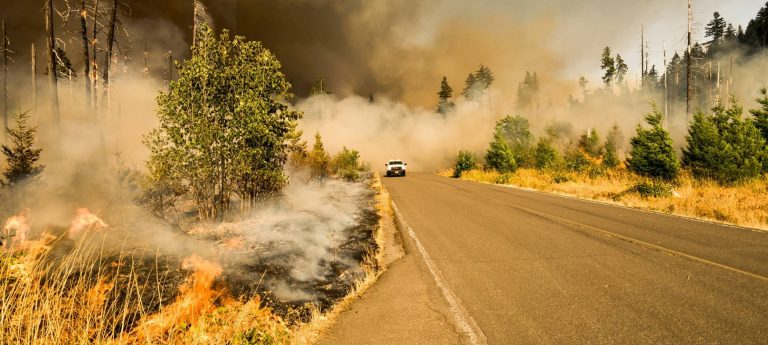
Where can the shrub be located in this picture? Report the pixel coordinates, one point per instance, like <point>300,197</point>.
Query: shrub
<point>318,160</point>
<point>576,161</point>
<point>546,155</point>
<point>516,131</point>
<point>612,143</point>
<point>652,189</point>
<point>499,156</point>
<point>464,162</point>
<point>590,143</point>
<point>724,147</point>
<point>346,165</point>
<point>22,155</point>
<point>652,154</point>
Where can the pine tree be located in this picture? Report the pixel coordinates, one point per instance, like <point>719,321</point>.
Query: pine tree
<point>590,143</point>
<point>464,162</point>
<point>485,77</point>
<point>761,115</point>
<point>22,155</point>
<point>608,64</point>
<point>612,144</point>
<point>319,160</point>
<point>445,103</point>
<point>724,147</point>
<point>546,155</point>
<point>499,156</point>
<point>716,29</point>
<point>652,154</point>
<point>471,90</point>
<point>621,69</point>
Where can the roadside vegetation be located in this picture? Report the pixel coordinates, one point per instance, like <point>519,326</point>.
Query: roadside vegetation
<point>721,176</point>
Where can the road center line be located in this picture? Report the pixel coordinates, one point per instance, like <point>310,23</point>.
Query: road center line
<point>465,322</point>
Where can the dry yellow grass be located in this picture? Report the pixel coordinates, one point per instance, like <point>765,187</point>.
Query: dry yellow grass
<point>744,205</point>
<point>72,300</point>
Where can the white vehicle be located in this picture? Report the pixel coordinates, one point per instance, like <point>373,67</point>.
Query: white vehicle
<point>395,168</point>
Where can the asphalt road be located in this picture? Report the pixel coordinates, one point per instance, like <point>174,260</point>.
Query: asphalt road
<point>521,267</point>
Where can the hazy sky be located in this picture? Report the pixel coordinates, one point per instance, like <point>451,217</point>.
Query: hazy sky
<point>402,48</point>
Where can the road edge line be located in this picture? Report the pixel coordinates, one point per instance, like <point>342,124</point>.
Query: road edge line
<point>460,315</point>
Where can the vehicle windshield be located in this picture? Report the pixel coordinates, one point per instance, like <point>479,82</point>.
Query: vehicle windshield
<point>395,163</point>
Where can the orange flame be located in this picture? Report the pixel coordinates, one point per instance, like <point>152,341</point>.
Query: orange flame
<point>196,297</point>
<point>15,229</point>
<point>85,221</point>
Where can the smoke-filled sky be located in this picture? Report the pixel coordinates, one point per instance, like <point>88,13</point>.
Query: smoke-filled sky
<point>401,48</point>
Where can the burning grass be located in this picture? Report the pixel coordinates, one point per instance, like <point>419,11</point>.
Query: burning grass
<point>743,205</point>
<point>258,282</point>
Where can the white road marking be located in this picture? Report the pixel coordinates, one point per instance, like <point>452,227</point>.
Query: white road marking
<point>465,322</point>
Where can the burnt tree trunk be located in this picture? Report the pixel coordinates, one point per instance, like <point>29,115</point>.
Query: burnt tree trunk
<point>86,55</point>
<point>51,41</point>
<point>110,42</point>
<point>94,53</point>
<point>4,79</point>
<point>33,55</point>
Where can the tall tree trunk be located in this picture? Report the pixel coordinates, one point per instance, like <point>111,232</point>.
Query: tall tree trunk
<point>86,55</point>
<point>4,80</point>
<point>51,40</point>
<point>33,55</point>
<point>94,54</point>
<point>110,42</point>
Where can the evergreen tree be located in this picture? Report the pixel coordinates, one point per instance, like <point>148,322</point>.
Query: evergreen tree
<point>484,77</point>
<point>761,115</point>
<point>22,155</point>
<point>652,154</point>
<point>445,102</point>
<point>546,155</point>
<point>756,34</point>
<point>583,85</point>
<point>590,143</point>
<point>612,144</point>
<point>730,33</point>
<point>608,64</point>
<point>716,29</point>
<point>472,89</point>
<point>724,147</point>
<point>527,91</point>
<point>500,156</point>
<point>621,69</point>
<point>319,160</point>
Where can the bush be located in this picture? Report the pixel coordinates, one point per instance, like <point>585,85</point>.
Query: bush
<point>318,160</point>
<point>652,189</point>
<point>464,162</point>
<point>590,143</point>
<point>724,147</point>
<point>576,161</point>
<point>652,154</point>
<point>546,155</point>
<point>612,143</point>
<point>346,165</point>
<point>499,156</point>
<point>516,131</point>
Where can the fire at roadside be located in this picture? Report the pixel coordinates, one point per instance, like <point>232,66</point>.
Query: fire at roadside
<point>296,253</point>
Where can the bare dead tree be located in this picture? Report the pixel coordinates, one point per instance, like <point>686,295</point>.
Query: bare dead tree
<point>111,26</point>
<point>86,52</point>
<point>94,64</point>
<point>146,62</point>
<point>51,41</point>
<point>4,79</point>
<point>34,77</point>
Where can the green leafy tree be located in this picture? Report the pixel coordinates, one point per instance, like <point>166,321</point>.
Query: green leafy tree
<point>608,65</point>
<point>464,162</point>
<point>22,155</point>
<point>500,156</point>
<point>590,143</point>
<point>445,95</point>
<point>546,155</point>
<point>224,124</point>
<point>652,154</point>
<point>346,165</point>
<point>724,147</point>
<point>515,130</point>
